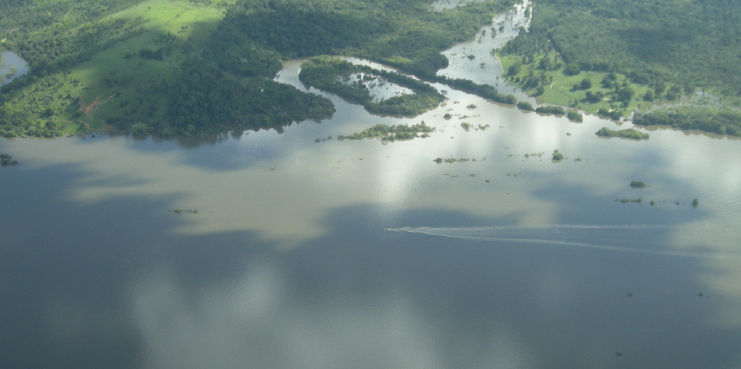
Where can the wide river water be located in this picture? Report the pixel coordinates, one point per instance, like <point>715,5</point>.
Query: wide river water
<point>356,254</point>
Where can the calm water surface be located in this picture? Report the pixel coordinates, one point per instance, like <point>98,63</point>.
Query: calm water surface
<point>359,254</point>
<point>11,62</point>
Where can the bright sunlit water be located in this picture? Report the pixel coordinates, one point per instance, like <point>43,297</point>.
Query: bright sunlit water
<point>290,253</point>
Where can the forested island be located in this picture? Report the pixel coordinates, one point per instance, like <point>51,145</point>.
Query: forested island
<point>351,82</point>
<point>629,133</point>
<point>613,57</point>
<point>386,133</point>
<point>201,67</point>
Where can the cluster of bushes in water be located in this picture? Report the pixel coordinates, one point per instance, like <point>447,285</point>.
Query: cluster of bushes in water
<point>453,160</point>
<point>624,201</point>
<point>386,133</point>
<point>637,184</point>
<point>325,73</point>
<point>180,211</point>
<point>7,160</point>
<point>524,105</point>
<point>629,133</point>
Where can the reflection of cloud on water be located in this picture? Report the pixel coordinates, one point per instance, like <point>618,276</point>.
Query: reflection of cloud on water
<point>250,321</point>
<point>710,170</point>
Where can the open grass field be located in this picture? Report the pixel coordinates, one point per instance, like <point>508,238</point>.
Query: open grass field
<point>560,90</point>
<point>85,96</point>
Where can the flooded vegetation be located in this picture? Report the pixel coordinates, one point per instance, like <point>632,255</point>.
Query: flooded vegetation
<point>361,84</point>
<point>386,133</point>
<point>6,160</point>
<point>635,201</point>
<point>454,160</point>
<point>629,133</point>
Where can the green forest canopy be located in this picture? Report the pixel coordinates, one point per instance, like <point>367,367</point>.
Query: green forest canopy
<point>614,56</point>
<point>695,43</point>
<point>172,67</point>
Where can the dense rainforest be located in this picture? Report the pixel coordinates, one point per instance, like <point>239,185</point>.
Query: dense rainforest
<point>612,57</point>
<point>201,67</point>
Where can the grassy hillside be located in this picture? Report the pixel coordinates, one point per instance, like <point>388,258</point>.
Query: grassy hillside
<point>170,67</point>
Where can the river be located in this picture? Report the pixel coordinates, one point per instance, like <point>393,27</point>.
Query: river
<point>288,253</point>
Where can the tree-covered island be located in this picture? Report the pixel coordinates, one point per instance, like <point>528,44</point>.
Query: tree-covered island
<point>629,133</point>
<point>351,82</point>
<point>401,132</point>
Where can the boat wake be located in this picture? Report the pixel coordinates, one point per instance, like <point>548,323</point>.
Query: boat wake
<point>622,238</point>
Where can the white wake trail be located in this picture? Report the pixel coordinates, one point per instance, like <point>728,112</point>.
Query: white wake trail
<point>566,235</point>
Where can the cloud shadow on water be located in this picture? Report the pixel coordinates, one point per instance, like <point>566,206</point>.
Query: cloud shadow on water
<point>108,284</point>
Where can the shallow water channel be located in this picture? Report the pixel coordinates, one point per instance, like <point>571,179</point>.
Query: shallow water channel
<point>288,253</point>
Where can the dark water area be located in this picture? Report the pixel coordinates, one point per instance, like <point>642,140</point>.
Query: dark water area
<point>288,253</point>
<point>109,285</point>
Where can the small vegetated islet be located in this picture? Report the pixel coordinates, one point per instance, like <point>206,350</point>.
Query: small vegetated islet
<point>7,160</point>
<point>624,201</point>
<point>191,211</point>
<point>453,160</point>
<point>386,133</point>
<point>629,133</point>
